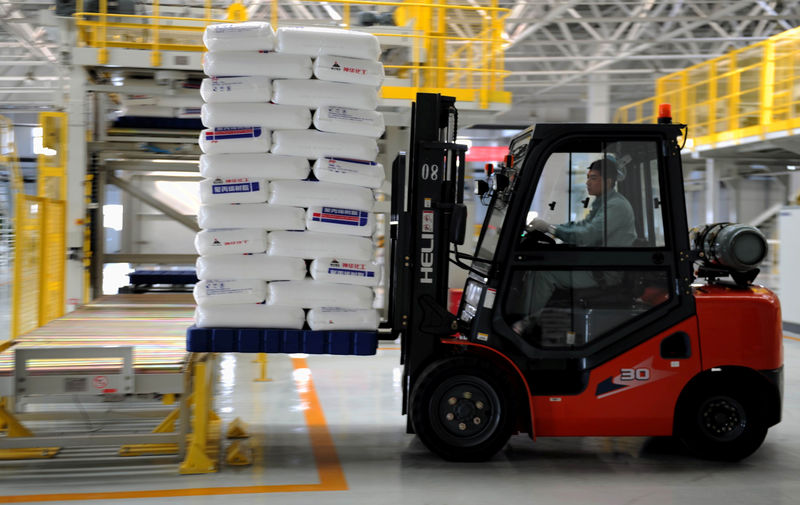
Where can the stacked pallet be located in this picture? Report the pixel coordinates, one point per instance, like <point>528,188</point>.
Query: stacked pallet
<point>284,244</point>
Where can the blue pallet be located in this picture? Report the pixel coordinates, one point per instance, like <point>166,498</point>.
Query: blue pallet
<point>347,343</point>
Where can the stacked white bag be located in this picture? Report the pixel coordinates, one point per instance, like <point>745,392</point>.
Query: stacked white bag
<point>262,216</point>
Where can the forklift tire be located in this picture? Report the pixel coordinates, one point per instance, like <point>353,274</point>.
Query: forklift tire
<point>720,420</point>
<point>462,409</point>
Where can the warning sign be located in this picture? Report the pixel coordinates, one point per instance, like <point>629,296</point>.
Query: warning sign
<point>100,382</point>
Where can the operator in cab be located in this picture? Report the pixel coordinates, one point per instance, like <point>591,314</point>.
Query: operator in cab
<point>610,223</point>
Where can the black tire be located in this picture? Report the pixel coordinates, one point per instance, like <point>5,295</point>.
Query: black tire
<point>719,421</point>
<point>462,409</point>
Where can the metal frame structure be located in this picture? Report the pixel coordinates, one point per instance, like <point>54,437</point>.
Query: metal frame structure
<point>427,197</point>
<point>89,371</point>
<point>555,50</point>
<point>750,94</point>
<point>467,63</point>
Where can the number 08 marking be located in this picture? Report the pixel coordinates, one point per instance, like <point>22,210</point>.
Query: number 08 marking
<point>430,172</point>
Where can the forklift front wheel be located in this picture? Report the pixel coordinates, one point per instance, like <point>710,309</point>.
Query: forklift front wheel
<point>721,422</point>
<point>462,409</point>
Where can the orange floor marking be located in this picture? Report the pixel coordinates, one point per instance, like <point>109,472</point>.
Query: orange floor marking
<point>792,338</point>
<point>329,469</point>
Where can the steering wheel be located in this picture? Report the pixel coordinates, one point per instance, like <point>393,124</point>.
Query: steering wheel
<point>535,237</point>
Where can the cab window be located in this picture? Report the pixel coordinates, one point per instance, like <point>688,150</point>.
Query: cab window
<point>601,195</point>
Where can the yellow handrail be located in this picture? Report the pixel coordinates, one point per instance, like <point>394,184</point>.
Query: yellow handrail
<point>469,64</point>
<point>746,94</point>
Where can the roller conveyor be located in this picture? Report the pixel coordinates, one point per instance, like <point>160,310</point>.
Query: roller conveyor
<point>142,336</point>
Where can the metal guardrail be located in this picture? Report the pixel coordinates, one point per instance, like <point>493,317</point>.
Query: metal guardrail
<point>752,93</point>
<point>39,226</point>
<point>469,66</point>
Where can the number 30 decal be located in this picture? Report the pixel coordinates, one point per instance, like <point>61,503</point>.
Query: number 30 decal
<point>634,374</point>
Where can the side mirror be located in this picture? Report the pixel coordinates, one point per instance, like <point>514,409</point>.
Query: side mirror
<point>500,182</point>
<point>481,187</point>
<point>458,224</point>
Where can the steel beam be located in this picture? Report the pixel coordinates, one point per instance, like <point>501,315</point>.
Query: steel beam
<point>154,259</point>
<point>153,202</point>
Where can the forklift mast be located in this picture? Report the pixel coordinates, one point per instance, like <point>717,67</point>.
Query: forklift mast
<point>428,215</point>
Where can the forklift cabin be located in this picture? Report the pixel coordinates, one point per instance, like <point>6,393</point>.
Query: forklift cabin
<point>577,334</point>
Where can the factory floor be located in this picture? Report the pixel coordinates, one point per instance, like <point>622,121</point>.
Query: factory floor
<point>328,429</point>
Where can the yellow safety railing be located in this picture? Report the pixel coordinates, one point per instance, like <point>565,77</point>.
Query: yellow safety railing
<point>744,95</point>
<point>39,229</point>
<point>434,55</point>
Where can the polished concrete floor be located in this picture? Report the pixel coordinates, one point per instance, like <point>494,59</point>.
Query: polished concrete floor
<point>328,429</point>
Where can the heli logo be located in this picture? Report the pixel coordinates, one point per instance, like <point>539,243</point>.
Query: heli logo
<point>336,66</point>
<point>233,132</point>
<point>426,249</point>
<point>216,241</point>
<point>347,217</point>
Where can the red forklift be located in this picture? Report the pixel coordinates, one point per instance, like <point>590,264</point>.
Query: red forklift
<point>558,334</point>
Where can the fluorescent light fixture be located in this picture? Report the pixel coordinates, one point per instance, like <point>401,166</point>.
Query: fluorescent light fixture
<point>791,167</point>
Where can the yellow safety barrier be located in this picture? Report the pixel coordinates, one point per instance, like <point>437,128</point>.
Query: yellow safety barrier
<point>428,54</point>
<point>39,227</point>
<point>27,264</point>
<point>747,94</point>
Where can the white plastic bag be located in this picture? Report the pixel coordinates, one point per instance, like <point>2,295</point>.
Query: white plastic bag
<point>232,241</point>
<point>340,220</point>
<point>274,65</point>
<point>310,293</point>
<point>312,244</point>
<point>224,292</point>
<point>346,271</point>
<point>233,190</point>
<point>352,70</point>
<point>314,41</point>
<point>335,119</point>
<point>267,115</point>
<point>338,318</point>
<point>315,93</point>
<point>235,139</point>
<point>313,144</point>
<point>249,316</point>
<point>255,88</point>
<point>251,215</point>
<point>259,165</point>
<point>312,193</point>
<point>340,171</point>
<point>249,36</point>
<point>250,266</point>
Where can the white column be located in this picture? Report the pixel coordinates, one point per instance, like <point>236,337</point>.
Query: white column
<point>598,107</point>
<point>794,188</point>
<point>76,174</point>
<point>712,191</point>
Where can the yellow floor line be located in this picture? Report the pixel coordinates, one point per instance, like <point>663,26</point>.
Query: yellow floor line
<point>329,469</point>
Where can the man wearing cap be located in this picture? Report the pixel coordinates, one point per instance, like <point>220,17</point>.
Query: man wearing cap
<point>610,223</point>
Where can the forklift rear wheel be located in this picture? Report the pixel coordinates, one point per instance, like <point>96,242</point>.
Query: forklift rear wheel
<point>719,421</point>
<point>462,409</point>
